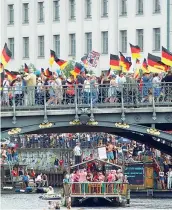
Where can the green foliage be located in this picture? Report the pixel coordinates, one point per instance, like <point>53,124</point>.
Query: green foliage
<point>30,66</point>
<point>70,66</point>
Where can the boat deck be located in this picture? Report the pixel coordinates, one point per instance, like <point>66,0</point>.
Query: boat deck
<point>95,195</point>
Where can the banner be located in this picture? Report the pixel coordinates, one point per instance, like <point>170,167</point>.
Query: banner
<point>93,58</point>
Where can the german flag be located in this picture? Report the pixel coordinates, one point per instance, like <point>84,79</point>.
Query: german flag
<point>1,74</point>
<point>78,68</point>
<point>6,55</point>
<point>124,63</point>
<point>166,57</point>
<point>52,57</point>
<point>48,73</point>
<point>26,68</point>
<point>61,63</point>
<point>12,75</point>
<point>135,51</point>
<point>145,66</point>
<point>114,62</point>
<point>155,64</point>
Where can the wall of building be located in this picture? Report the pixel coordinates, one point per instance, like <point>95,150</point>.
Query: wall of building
<point>113,24</point>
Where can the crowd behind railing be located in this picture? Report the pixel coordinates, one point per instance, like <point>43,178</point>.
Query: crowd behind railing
<point>86,88</point>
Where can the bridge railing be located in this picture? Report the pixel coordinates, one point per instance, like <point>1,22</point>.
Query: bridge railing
<point>66,97</point>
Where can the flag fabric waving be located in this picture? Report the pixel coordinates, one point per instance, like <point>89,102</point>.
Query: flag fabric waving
<point>47,73</point>
<point>114,62</point>
<point>155,65</point>
<point>145,66</point>
<point>12,75</point>
<point>26,68</point>
<point>52,57</point>
<point>1,67</point>
<point>166,57</point>
<point>78,68</point>
<point>124,63</point>
<point>61,63</point>
<point>135,51</point>
<point>6,55</point>
<point>84,60</point>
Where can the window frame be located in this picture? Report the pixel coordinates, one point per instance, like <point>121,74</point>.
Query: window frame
<point>125,41</point>
<point>24,47</point>
<point>40,54</point>
<point>88,42</point>
<point>72,44</point>
<point>155,48</point>
<point>139,12</point>
<point>138,35</point>
<point>41,8</point>
<point>123,10</point>
<point>56,7</point>
<point>12,49</point>
<point>105,10</point>
<point>25,21</point>
<point>72,14</point>
<point>105,38</point>
<point>10,17</point>
<point>88,4</point>
<point>56,39</point>
<point>155,10</point>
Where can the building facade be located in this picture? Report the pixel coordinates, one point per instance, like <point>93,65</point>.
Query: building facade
<point>75,27</point>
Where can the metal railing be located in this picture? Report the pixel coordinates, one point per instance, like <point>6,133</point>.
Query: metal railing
<point>64,97</point>
<point>95,188</point>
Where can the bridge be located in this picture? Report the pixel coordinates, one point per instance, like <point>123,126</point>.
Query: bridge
<point>132,114</point>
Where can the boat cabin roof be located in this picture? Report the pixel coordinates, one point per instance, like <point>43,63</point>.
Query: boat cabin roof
<point>115,166</point>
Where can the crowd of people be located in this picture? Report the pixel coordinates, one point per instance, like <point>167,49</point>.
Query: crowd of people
<point>31,90</point>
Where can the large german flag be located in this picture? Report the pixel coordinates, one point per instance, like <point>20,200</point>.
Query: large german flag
<point>6,55</point>
<point>155,65</point>
<point>52,57</point>
<point>26,68</point>
<point>11,74</point>
<point>61,63</point>
<point>124,63</point>
<point>135,51</point>
<point>114,62</point>
<point>166,57</point>
<point>1,74</point>
<point>48,73</point>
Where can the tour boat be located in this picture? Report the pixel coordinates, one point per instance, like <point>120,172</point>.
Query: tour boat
<point>112,193</point>
<point>51,197</point>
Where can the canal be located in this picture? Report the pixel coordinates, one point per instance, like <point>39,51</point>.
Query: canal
<point>32,201</point>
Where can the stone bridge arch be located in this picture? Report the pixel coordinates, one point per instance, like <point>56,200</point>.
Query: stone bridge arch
<point>155,138</point>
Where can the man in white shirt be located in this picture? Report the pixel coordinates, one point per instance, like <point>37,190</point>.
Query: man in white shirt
<point>77,154</point>
<point>169,180</point>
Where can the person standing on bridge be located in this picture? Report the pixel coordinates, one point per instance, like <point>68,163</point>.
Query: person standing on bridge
<point>77,153</point>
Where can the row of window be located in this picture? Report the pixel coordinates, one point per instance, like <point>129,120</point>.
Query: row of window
<point>56,44</point>
<point>72,10</point>
<point>88,43</point>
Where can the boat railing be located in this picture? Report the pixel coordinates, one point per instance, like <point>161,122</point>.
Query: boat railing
<point>103,189</point>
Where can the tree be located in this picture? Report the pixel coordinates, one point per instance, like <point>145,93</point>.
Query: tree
<point>70,66</point>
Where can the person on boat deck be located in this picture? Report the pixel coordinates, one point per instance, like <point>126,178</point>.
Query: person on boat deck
<point>101,177</point>
<point>120,175</point>
<point>38,180</point>
<point>89,176</point>
<point>50,191</point>
<point>44,180</point>
<point>77,153</point>
<point>9,154</point>
<point>110,155</point>
<point>32,174</point>
<point>20,171</point>
<point>96,177</point>
<point>26,179</point>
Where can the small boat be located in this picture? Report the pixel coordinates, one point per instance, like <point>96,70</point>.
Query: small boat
<point>51,197</point>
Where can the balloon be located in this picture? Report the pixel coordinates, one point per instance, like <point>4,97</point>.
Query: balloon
<point>58,71</point>
<point>37,72</point>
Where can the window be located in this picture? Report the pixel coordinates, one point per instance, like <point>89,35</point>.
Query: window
<point>11,14</point>
<point>25,13</point>
<point>140,39</point>
<point>105,42</point>
<point>56,10</point>
<point>72,49</point>
<point>88,47</point>
<point>88,8</point>
<point>123,11</point>
<point>72,9</point>
<point>25,47</point>
<point>40,46</point>
<point>11,46</point>
<point>139,7</point>
<point>123,37</point>
<point>104,8</point>
<point>57,44</point>
<point>40,12</point>
<point>157,39</point>
<point>156,6</point>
